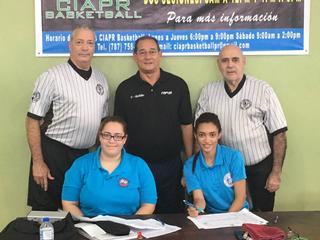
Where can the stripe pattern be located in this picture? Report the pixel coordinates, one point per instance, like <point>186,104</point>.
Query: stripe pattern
<point>78,105</point>
<point>245,116</point>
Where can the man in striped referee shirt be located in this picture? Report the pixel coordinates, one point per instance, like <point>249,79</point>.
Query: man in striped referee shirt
<point>68,103</point>
<point>250,115</point>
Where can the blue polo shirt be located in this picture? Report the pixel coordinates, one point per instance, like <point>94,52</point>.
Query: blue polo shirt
<point>99,193</point>
<point>216,182</point>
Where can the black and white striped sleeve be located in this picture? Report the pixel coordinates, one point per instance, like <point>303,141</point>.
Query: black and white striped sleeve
<point>42,95</point>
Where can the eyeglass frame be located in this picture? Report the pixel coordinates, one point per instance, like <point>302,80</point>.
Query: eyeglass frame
<point>143,53</point>
<point>109,136</point>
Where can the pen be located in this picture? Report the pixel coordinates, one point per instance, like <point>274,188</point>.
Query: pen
<point>159,220</point>
<point>189,204</point>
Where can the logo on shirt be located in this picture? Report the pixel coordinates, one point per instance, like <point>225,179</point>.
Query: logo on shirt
<point>166,92</point>
<point>137,96</point>
<point>35,96</point>
<point>123,182</point>
<point>245,104</point>
<point>99,89</point>
<point>227,179</point>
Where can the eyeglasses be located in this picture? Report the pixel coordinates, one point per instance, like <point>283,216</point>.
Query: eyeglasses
<point>144,53</point>
<point>109,136</point>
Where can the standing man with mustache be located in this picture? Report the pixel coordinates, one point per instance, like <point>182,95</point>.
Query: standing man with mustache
<point>68,103</point>
<point>250,115</point>
<point>156,106</point>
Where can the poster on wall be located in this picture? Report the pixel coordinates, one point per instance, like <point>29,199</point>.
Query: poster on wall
<point>182,27</point>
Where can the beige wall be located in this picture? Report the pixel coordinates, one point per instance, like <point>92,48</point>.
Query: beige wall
<point>295,79</point>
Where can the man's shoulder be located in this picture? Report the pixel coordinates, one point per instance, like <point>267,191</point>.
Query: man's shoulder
<point>129,82</point>
<point>172,77</point>
<point>51,73</point>
<point>214,85</point>
<point>96,70</point>
<point>255,81</point>
<point>59,67</point>
<point>99,76</point>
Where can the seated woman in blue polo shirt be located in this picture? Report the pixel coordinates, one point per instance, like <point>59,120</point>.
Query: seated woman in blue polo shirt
<point>109,181</point>
<point>216,174</point>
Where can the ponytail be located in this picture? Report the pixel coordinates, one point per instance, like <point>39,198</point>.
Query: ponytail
<point>194,161</point>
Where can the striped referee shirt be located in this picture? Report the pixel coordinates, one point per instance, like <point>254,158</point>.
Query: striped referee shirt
<point>72,107</point>
<point>245,115</point>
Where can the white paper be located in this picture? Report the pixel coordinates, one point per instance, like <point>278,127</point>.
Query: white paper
<point>135,223</point>
<point>149,228</point>
<point>150,233</point>
<point>233,219</point>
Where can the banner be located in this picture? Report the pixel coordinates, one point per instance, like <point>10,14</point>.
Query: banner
<point>183,27</point>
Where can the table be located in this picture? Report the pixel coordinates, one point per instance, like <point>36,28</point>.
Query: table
<point>307,224</point>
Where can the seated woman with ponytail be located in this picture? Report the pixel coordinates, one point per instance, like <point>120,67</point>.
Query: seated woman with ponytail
<point>215,176</point>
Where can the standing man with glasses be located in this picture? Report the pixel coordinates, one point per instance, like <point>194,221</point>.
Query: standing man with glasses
<point>250,114</point>
<point>156,106</point>
<point>68,103</point>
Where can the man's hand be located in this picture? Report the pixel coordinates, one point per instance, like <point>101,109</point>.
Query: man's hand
<point>273,182</point>
<point>41,174</point>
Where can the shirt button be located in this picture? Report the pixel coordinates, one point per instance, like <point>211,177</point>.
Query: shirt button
<point>151,90</point>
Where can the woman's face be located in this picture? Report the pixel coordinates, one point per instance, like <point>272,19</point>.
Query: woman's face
<point>112,138</point>
<point>207,136</point>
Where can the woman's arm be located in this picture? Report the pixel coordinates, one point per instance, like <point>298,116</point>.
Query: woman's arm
<point>146,208</point>
<point>240,196</point>
<point>198,201</point>
<point>72,207</point>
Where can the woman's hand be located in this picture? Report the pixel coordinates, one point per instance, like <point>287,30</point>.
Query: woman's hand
<point>193,212</point>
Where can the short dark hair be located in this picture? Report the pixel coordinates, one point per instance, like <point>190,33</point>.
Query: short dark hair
<point>135,50</point>
<point>113,119</point>
<point>206,117</point>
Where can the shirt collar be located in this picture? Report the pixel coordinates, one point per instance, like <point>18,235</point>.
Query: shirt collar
<point>163,78</point>
<point>232,94</point>
<point>217,161</point>
<point>120,168</point>
<point>86,74</point>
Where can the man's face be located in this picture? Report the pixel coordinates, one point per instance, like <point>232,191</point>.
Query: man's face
<point>82,48</point>
<point>231,63</point>
<point>147,56</point>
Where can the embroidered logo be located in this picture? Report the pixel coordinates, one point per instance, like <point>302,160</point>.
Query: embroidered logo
<point>245,104</point>
<point>137,96</point>
<point>35,96</point>
<point>99,89</point>
<point>227,179</point>
<point>166,93</point>
<point>123,182</point>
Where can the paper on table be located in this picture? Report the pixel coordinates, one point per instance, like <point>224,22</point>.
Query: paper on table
<point>233,219</point>
<point>149,227</point>
<point>94,232</point>
<point>135,223</point>
<point>150,233</point>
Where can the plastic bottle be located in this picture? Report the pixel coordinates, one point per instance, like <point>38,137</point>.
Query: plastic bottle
<point>46,230</point>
